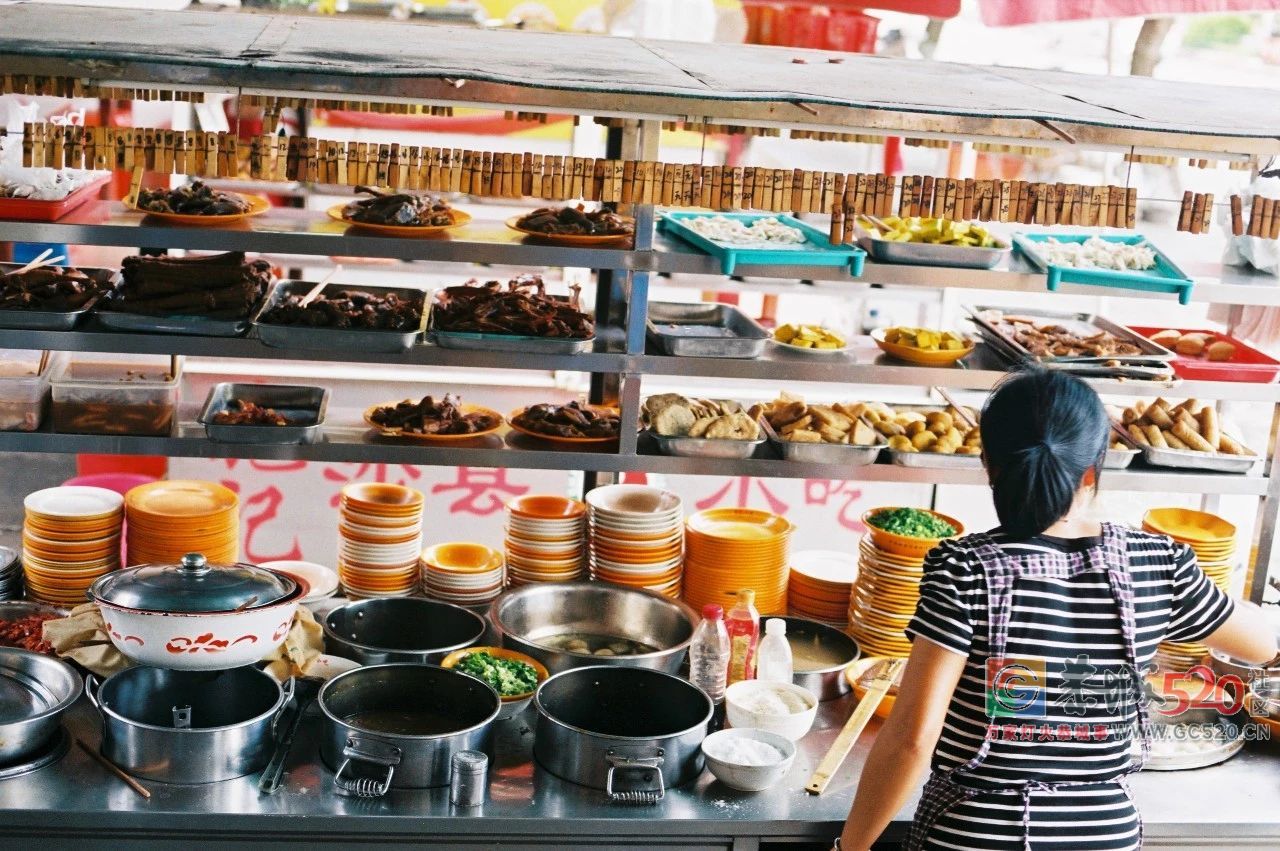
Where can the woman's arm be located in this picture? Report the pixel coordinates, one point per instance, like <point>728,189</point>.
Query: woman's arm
<point>1246,635</point>
<point>904,745</point>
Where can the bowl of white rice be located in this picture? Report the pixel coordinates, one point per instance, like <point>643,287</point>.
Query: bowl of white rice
<point>747,759</point>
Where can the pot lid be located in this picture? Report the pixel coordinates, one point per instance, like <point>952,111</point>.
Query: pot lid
<point>193,585</point>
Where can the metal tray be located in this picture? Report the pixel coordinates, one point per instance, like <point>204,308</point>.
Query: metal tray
<point>817,250</point>
<point>1152,353</point>
<point>307,337</point>
<point>1186,459</point>
<point>737,335</point>
<point>932,254</point>
<point>705,447</point>
<point>509,343</point>
<point>1164,277</point>
<point>202,326</point>
<point>935,460</point>
<point>49,320</point>
<point>847,454</point>
<point>1119,459</point>
<point>307,404</point>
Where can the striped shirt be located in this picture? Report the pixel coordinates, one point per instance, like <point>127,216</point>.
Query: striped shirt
<point>1066,631</point>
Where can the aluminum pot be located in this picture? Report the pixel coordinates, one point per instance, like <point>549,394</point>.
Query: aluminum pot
<point>398,726</point>
<point>34,692</point>
<point>632,732</point>
<point>400,629</point>
<point>827,682</point>
<point>527,617</point>
<point>189,726</point>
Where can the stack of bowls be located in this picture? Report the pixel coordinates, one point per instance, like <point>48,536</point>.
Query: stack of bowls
<point>821,585</point>
<point>887,588</point>
<point>1213,540</point>
<point>167,520</point>
<point>728,549</point>
<point>70,537</point>
<point>546,539</point>
<point>465,574</point>
<point>637,537</point>
<point>379,539</point>
<point>10,575</point>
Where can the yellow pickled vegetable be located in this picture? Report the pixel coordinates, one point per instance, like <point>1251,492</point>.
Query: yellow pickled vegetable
<point>925,339</point>
<point>809,337</point>
<point>938,231</point>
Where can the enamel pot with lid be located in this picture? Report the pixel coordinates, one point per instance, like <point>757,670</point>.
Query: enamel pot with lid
<point>195,616</point>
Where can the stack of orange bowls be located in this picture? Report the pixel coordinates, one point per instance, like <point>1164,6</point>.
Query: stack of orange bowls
<point>637,537</point>
<point>379,539</point>
<point>821,585</point>
<point>887,589</point>
<point>465,574</point>
<point>727,549</point>
<point>167,520</point>
<point>70,537</point>
<point>1213,540</point>
<point>546,539</point>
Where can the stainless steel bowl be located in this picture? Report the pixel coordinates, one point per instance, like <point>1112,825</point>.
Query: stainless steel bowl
<point>528,617</point>
<point>34,692</point>
<point>828,683</point>
<point>400,629</point>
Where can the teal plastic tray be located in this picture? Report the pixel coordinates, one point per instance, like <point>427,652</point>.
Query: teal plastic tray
<point>817,251</point>
<point>1166,277</point>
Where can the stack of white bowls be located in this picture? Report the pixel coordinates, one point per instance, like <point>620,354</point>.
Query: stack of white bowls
<point>462,573</point>
<point>546,539</point>
<point>379,540</point>
<point>636,535</point>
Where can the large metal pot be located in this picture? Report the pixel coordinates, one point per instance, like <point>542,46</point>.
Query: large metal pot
<point>189,726</point>
<point>609,727</point>
<point>827,681</point>
<point>195,616</point>
<point>526,618</point>
<point>398,726</point>
<point>34,692</point>
<point>400,629</point>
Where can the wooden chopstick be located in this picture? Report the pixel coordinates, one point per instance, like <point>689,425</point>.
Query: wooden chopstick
<point>853,727</point>
<point>115,769</point>
<point>960,411</point>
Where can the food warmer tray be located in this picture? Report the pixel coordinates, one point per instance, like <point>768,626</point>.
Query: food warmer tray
<point>1152,353</point>
<point>932,254</point>
<point>735,334</point>
<point>817,251</point>
<point>202,326</point>
<point>1165,277</point>
<point>353,339</point>
<point>1141,371</point>
<point>1188,459</point>
<point>51,320</point>
<point>1246,363</point>
<point>705,447</point>
<point>847,454</point>
<point>305,405</point>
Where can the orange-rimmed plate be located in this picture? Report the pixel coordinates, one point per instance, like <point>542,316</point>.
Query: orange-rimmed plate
<point>739,525</point>
<point>181,498</point>
<point>383,498</point>
<point>459,219</point>
<point>573,238</point>
<point>462,557</point>
<point>1189,526</point>
<point>540,506</point>
<point>257,206</point>
<point>434,438</point>
<point>511,421</point>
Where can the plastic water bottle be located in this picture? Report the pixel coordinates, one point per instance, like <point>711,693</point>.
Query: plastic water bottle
<point>709,653</point>
<point>774,664</point>
<point>743,624</point>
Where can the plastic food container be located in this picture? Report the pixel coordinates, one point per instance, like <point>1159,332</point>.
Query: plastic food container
<point>24,387</point>
<point>116,394</point>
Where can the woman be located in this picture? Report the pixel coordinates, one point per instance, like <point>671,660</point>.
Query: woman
<point>1063,611</point>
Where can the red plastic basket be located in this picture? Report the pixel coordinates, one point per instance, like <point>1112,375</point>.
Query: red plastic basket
<point>50,211</point>
<point>1247,364</point>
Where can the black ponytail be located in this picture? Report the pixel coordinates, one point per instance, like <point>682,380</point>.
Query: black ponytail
<point>1042,430</point>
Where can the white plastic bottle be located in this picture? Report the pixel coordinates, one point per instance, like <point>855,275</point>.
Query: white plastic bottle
<point>709,653</point>
<point>774,656</point>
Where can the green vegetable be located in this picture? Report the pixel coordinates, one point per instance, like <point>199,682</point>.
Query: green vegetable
<point>911,522</point>
<point>509,677</point>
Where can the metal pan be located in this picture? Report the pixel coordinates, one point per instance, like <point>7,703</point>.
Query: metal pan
<point>705,447</point>
<point>847,454</point>
<point>1186,459</point>
<point>705,331</point>
<point>932,254</point>
<point>305,406</point>
<point>1119,459</point>
<point>50,320</point>
<point>354,339</point>
<point>202,326</point>
<point>935,460</point>
<point>509,343</point>
<point>1150,351</point>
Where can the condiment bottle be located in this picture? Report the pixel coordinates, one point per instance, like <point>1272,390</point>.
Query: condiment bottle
<point>743,625</point>
<point>774,665</point>
<point>709,653</point>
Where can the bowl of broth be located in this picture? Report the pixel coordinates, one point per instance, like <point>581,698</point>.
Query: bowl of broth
<point>819,655</point>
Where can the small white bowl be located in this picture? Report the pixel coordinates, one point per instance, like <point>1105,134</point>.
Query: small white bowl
<point>793,725</point>
<point>749,778</point>
<point>321,580</point>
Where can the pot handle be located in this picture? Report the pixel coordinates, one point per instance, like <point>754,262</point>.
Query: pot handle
<point>374,753</point>
<point>286,691</point>
<point>650,764</point>
<point>91,686</point>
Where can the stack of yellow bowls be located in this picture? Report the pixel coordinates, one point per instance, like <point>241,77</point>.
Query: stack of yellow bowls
<point>465,574</point>
<point>70,537</point>
<point>637,537</point>
<point>820,586</point>
<point>167,520</point>
<point>1214,542</point>
<point>379,539</point>
<point>546,539</point>
<point>727,549</point>
<point>887,589</point>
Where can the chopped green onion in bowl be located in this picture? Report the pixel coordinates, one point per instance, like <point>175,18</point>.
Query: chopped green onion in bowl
<point>508,677</point>
<point>911,523</point>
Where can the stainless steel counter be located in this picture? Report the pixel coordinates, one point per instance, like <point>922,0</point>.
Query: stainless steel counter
<point>1236,804</point>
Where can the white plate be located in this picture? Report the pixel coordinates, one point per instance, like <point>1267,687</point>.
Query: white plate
<point>322,581</point>
<point>633,500</point>
<point>74,501</point>
<point>812,352</point>
<point>826,565</point>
